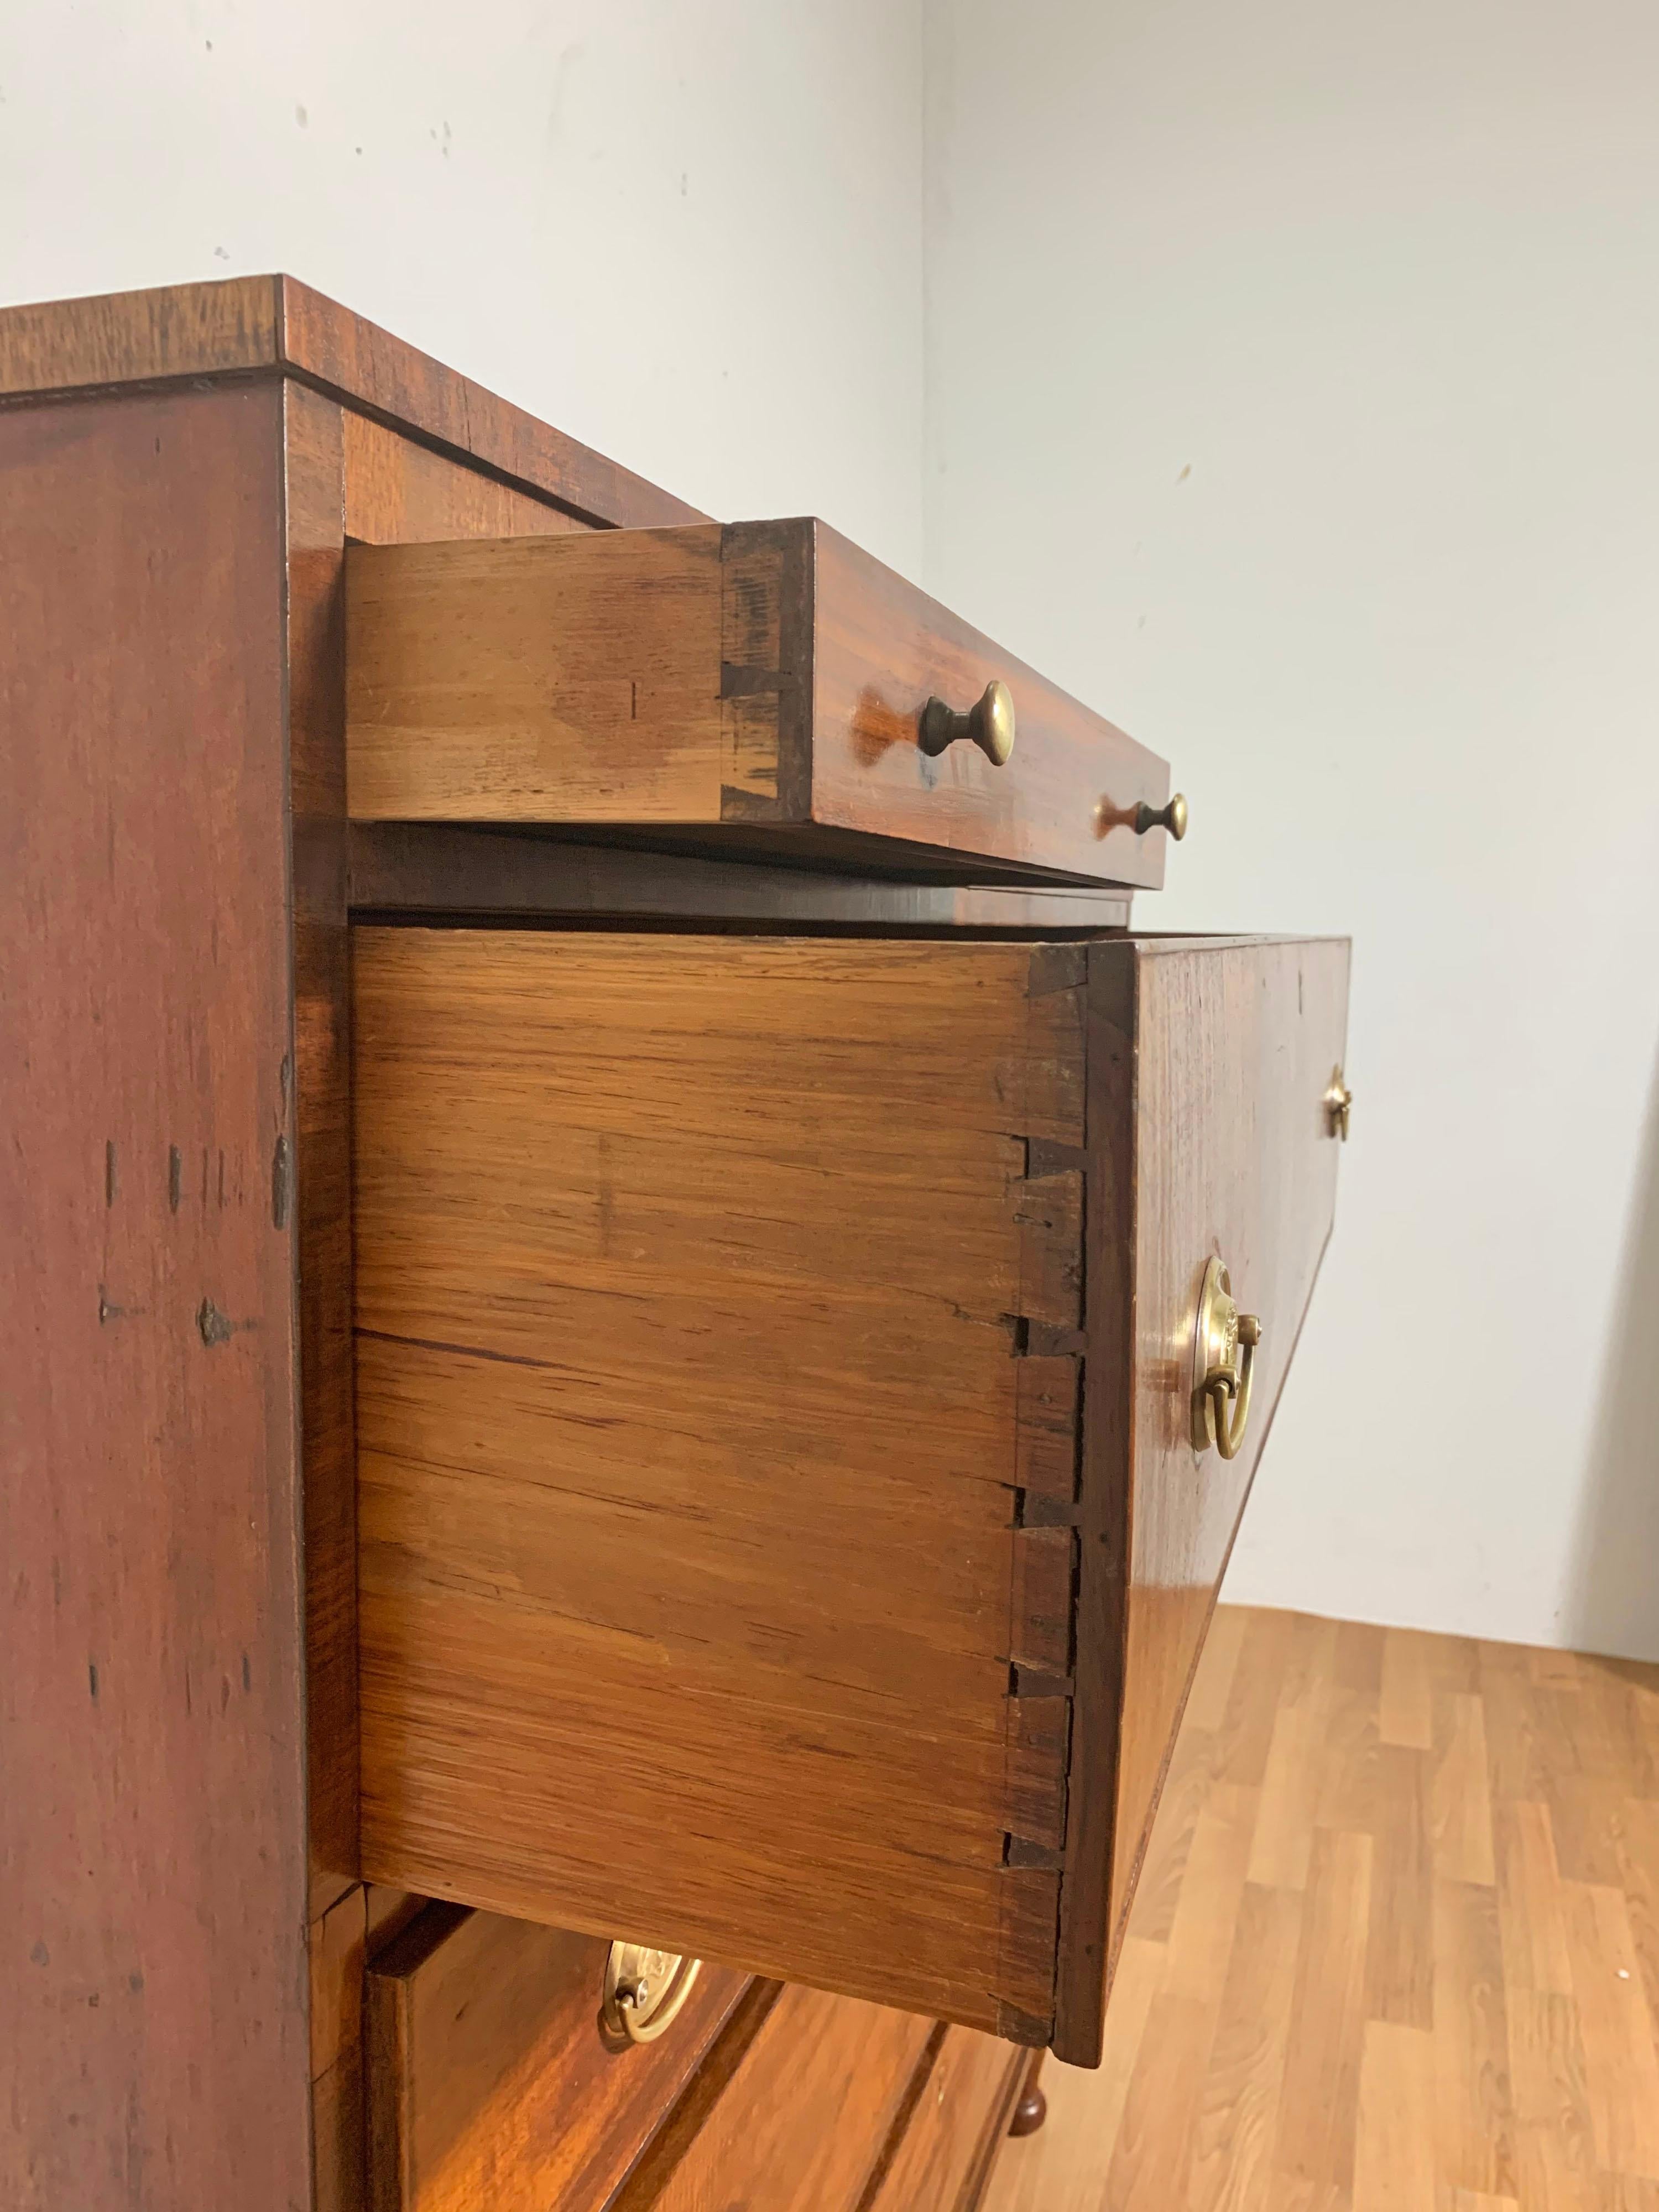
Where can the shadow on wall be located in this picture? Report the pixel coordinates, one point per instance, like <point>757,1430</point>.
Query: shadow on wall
<point>1612,1597</point>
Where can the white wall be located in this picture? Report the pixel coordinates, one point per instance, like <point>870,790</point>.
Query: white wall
<point>686,231</point>
<point>1292,395</point>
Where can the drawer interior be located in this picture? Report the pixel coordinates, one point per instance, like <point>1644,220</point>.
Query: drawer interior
<point>490,2081</point>
<point>795,2111</point>
<point>961,2100</point>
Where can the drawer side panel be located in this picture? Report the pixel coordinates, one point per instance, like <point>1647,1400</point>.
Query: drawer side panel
<point>515,679</point>
<point>691,1279</point>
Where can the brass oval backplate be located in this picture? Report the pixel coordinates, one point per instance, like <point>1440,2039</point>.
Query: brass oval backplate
<point>644,1990</point>
<point>1225,1342</point>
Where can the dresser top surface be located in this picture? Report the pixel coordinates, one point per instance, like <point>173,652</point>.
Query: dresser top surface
<point>275,325</point>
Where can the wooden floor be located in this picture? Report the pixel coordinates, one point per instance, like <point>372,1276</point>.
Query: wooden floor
<point>1396,1943</point>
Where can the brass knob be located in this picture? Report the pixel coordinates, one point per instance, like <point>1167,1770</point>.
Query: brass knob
<point>644,1991</point>
<point>989,725</point>
<point>1223,1365</point>
<point>1339,1104</point>
<point>1172,818</point>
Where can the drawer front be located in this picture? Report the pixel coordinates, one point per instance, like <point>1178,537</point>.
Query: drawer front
<point>762,684</point>
<point>778,1535</point>
<point>792,2114</point>
<point>960,2108</point>
<point>1208,1138</point>
<point>490,2088</point>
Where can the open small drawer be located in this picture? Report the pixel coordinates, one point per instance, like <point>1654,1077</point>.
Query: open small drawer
<point>762,687</point>
<point>806,1390</point>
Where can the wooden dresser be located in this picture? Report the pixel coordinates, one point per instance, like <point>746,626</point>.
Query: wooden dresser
<point>637,1319</point>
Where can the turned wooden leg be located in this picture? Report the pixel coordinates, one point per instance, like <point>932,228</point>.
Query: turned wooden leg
<point>1032,2109</point>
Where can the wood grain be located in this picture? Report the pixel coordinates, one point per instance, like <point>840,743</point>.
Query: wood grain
<point>697,1461</point>
<point>493,2087</point>
<point>359,437</point>
<point>676,1338</point>
<point>401,493</point>
<point>435,869</point>
<point>131,337</point>
<point>339,1947</point>
<point>768,642</point>
<point>1527,2079</point>
<point>276,326</point>
<point>1208,1061</point>
<point>767,674</point>
<point>346,476</point>
<point>791,2113</point>
<point>1315,2146</point>
<point>571,678</point>
<point>961,2103</point>
<point>1395,2167</point>
<point>881,648</point>
<point>316,1180</point>
<point>379,374</point>
<point>152,1821</point>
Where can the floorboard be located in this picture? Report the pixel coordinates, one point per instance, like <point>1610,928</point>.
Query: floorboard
<point>1396,1948</point>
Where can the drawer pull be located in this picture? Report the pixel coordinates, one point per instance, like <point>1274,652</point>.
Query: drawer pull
<point>989,725</point>
<point>1339,1104</point>
<point>1172,818</point>
<point>1223,1365</point>
<point>644,1991</point>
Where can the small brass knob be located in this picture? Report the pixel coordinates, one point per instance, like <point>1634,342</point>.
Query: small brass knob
<point>989,725</point>
<point>1339,1104</point>
<point>1172,818</point>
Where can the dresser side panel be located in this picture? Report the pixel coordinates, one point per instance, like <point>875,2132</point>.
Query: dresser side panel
<point>152,1826</point>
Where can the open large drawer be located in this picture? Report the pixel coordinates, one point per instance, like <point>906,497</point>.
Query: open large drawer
<point>783,1534</point>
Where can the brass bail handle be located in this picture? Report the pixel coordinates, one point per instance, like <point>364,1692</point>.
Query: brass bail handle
<point>644,1992</point>
<point>988,723</point>
<point>1225,1344</point>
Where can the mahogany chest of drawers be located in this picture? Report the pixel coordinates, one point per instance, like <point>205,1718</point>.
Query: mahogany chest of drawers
<point>643,1318</point>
